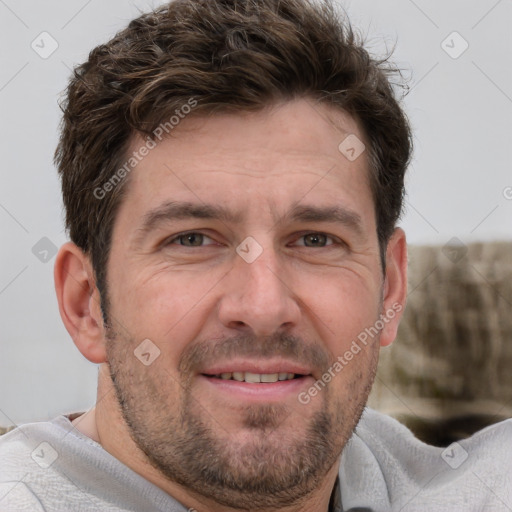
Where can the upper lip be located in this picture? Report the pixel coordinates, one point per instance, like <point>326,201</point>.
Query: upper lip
<point>256,366</point>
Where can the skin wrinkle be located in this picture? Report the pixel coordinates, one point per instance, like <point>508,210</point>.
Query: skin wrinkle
<point>205,305</point>
<point>256,98</point>
<point>356,257</point>
<point>337,230</point>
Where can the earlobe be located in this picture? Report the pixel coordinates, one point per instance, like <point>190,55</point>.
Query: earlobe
<point>395,286</point>
<point>79,301</point>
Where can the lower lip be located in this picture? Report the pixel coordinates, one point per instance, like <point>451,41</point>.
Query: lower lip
<point>259,392</point>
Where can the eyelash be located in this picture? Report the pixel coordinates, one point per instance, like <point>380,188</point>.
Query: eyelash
<point>181,235</point>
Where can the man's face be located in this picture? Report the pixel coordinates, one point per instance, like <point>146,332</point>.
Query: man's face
<point>279,286</point>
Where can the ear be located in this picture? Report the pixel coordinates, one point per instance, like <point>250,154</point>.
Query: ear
<point>79,301</point>
<point>395,286</point>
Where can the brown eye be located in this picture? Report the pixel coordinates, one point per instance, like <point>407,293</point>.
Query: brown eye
<point>315,240</point>
<point>191,239</point>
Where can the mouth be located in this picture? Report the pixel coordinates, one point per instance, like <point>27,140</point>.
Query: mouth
<point>256,378</point>
<point>250,381</point>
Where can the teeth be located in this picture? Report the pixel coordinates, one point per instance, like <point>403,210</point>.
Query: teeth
<point>255,377</point>
<point>269,377</point>
<point>252,377</point>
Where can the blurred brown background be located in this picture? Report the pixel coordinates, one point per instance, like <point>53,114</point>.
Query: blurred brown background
<point>449,372</point>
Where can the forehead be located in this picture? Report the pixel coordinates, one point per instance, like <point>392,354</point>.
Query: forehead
<point>273,158</point>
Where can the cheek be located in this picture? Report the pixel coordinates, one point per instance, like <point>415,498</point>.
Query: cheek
<point>342,307</point>
<point>163,304</point>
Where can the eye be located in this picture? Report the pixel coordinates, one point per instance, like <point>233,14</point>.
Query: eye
<point>190,239</point>
<point>316,240</point>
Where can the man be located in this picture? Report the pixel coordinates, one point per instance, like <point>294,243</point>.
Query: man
<point>232,173</point>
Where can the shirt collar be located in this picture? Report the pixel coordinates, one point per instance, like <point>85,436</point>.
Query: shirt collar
<point>335,501</point>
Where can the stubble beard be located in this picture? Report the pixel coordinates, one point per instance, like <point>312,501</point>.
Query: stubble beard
<point>278,467</point>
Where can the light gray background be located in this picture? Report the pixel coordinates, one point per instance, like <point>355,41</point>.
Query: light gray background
<point>458,183</point>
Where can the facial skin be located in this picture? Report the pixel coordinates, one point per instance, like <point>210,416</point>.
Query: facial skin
<point>221,445</point>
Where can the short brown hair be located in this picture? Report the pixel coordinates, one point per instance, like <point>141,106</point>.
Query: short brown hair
<point>229,55</point>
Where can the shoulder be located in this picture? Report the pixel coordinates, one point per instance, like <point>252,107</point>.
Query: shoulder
<point>395,465</point>
<point>14,452</point>
<point>30,447</point>
<point>17,497</point>
<point>386,437</point>
<point>380,431</point>
<point>23,455</point>
<point>51,466</point>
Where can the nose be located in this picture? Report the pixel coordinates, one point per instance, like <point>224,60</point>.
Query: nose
<point>259,297</point>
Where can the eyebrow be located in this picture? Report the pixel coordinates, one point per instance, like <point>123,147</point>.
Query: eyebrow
<point>336,214</point>
<point>177,210</point>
